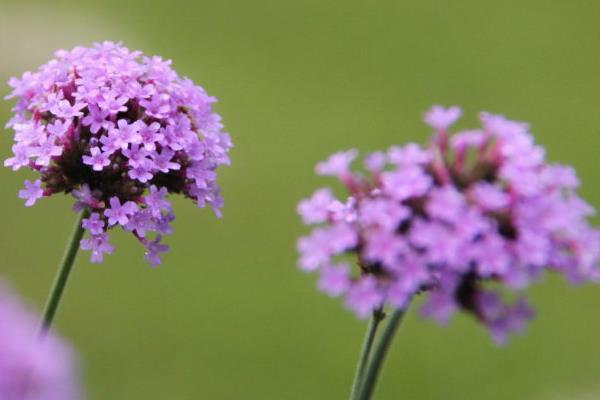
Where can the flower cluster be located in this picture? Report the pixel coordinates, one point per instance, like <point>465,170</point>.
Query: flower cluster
<point>119,131</point>
<point>32,370</point>
<point>470,212</point>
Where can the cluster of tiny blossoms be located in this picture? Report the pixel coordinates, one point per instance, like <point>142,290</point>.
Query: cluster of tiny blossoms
<point>119,131</point>
<point>29,369</point>
<point>469,213</point>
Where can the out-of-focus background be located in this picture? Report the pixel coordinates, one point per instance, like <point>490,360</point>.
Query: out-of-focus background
<point>228,315</point>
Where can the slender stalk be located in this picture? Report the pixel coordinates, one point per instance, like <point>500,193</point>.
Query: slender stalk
<point>62,275</point>
<point>378,316</point>
<point>378,357</point>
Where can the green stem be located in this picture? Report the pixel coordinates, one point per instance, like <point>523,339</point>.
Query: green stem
<point>381,349</point>
<point>378,316</point>
<point>62,276</point>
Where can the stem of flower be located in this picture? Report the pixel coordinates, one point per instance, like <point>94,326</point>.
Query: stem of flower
<point>381,348</point>
<point>378,316</point>
<point>62,276</point>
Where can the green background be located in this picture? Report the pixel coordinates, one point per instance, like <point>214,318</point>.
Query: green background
<point>228,315</point>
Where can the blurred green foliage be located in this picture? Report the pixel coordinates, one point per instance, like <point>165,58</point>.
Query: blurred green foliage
<point>228,316</point>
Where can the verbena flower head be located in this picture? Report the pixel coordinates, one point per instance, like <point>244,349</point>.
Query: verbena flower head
<point>119,131</point>
<point>31,369</point>
<point>460,219</point>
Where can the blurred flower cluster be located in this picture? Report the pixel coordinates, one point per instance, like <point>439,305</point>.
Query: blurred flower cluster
<point>32,369</point>
<point>460,219</point>
<point>119,131</point>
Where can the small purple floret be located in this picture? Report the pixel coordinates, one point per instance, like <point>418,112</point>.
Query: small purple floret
<point>32,192</point>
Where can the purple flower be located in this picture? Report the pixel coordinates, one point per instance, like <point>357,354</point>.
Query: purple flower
<point>97,119</point>
<point>94,224</point>
<point>383,213</point>
<point>156,202</point>
<point>158,106</point>
<point>314,250</point>
<point>384,247</point>
<point>412,275</point>
<point>64,109</point>
<point>118,213</point>
<point>32,192</point>
<point>126,134</point>
<point>459,230</point>
<point>59,128</point>
<point>142,222</point>
<point>85,198</point>
<point>119,131</point>
<point>162,161</point>
<point>200,173</point>
<point>337,164</point>
<point>408,155</point>
<point>142,172</point>
<point>136,156</point>
<point>440,307</point>
<point>97,159</point>
<point>374,162</point>
<point>316,209</point>
<point>113,104</point>
<point>150,135</point>
<point>501,319</point>
<point>447,204</point>
<point>405,183</point>
<point>20,158</point>
<point>32,370</point>
<point>339,211</point>
<point>490,197</point>
<point>153,250</point>
<point>45,149</point>
<point>98,245</point>
<point>441,118</point>
<point>364,296</point>
<point>335,279</point>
